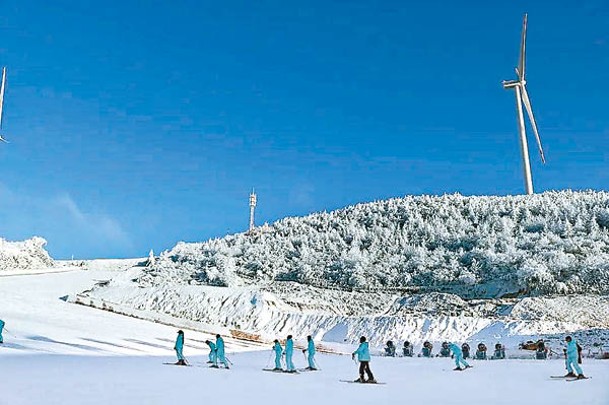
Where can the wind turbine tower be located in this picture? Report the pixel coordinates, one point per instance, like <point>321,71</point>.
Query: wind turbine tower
<point>252,209</point>
<point>2,100</point>
<point>522,97</point>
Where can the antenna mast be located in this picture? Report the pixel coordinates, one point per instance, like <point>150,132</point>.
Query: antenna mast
<point>252,209</point>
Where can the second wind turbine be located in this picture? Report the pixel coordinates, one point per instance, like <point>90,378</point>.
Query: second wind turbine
<point>522,97</point>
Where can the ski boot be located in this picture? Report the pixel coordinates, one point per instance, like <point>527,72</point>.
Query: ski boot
<point>581,377</point>
<point>457,369</point>
<point>360,380</point>
<point>371,381</point>
<point>570,374</point>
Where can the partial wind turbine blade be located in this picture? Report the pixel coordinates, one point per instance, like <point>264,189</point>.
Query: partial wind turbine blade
<point>523,46</point>
<point>527,104</point>
<point>2,93</point>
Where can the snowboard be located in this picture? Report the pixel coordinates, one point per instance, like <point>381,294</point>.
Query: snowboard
<point>362,383</point>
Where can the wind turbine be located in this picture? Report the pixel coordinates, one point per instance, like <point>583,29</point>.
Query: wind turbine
<point>2,100</point>
<point>522,97</point>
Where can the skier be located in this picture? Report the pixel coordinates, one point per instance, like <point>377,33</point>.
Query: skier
<point>458,353</point>
<point>278,352</point>
<point>289,352</point>
<point>572,357</point>
<point>390,349</point>
<point>220,353</point>
<point>1,328</point>
<point>407,349</point>
<point>212,351</point>
<point>465,349</point>
<point>363,356</point>
<point>311,349</point>
<point>179,347</point>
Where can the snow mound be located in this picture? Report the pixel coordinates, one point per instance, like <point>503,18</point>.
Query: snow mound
<point>29,254</point>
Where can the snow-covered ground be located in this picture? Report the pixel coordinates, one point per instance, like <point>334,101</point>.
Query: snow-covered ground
<point>61,353</point>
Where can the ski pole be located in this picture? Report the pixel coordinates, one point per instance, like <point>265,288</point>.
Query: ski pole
<point>10,333</point>
<point>268,361</point>
<point>227,359</point>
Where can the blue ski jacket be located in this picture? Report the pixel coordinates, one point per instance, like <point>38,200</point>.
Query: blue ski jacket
<point>311,347</point>
<point>456,350</point>
<point>220,347</point>
<point>289,347</point>
<point>278,350</point>
<point>212,346</point>
<point>363,352</point>
<point>179,342</point>
<point>572,349</point>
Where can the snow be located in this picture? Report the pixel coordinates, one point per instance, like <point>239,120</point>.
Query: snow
<point>61,353</point>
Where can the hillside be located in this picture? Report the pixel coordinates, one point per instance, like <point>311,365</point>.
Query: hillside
<point>475,247</point>
<point>449,267</point>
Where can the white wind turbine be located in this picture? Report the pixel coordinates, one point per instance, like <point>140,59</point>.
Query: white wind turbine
<point>522,97</point>
<point>2,100</point>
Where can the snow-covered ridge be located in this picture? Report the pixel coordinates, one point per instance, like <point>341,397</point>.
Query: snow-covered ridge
<point>475,247</point>
<point>416,268</point>
<point>29,254</point>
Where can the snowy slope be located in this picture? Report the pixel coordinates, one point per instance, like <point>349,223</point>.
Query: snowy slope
<point>61,353</point>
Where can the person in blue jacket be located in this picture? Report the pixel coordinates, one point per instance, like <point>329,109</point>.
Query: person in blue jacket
<point>220,355</point>
<point>311,357</point>
<point>212,351</point>
<point>458,353</point>
<point>278,353</point>
<point>289,352</point>
<point>572,359</point>
<point>1,328</point>
<point>363,356</point>
<point>179,347</point>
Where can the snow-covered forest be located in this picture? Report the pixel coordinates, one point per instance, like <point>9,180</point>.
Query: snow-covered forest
<point>475,247</point>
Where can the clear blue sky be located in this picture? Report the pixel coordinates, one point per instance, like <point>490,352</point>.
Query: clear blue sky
<point>134,125</point>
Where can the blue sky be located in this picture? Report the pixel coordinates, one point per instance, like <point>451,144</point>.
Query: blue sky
<point>135,126</point>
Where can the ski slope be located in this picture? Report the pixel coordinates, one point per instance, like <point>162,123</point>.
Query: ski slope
<point>61,353</point>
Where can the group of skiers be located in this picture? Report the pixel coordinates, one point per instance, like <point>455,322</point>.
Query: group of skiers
<point>216,351</point>
<point>289,352</point>
<point>449,349</point>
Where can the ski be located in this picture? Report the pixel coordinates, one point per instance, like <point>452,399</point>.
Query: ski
<point>218,368</point>
<point>577,379</point>
<point>180,365</point>
<point>271,370</point>
<point>559,377</point>
<point>363,383</point>
<point>304,370</point>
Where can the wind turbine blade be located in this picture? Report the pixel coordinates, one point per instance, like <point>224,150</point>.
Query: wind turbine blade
<point>2,93</point>
<point>527,105</point>
<point>523,46</point>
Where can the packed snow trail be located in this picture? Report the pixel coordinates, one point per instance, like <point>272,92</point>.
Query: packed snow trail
<point>61,353</point>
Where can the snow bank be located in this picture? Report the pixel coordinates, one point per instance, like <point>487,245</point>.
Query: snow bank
<point>29,254</point>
